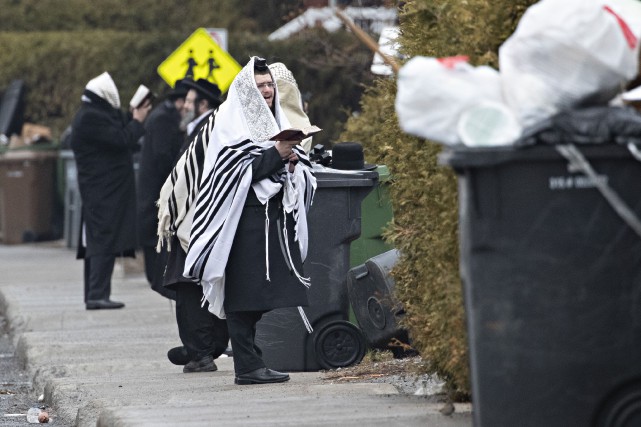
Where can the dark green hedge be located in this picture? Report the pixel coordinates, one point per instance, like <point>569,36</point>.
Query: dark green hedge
<point>143,15</point>
<point>56,46</point>
<point>56,65</point>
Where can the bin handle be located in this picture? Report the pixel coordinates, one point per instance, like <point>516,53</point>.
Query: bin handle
<point>577,162</point>
<point>634,150</point>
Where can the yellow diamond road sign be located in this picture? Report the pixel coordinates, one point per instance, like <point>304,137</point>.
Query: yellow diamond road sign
<point>200,57</point>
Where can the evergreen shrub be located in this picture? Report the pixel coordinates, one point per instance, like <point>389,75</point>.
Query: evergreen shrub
<point>424,194</point>
<point>332,68</point>
<point>56,66</point>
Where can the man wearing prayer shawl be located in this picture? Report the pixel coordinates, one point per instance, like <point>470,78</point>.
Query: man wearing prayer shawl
<point>248,237</point>
<point>204,336</point>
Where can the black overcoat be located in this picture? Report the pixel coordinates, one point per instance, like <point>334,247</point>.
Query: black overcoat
<point>161,143</point>
<point>246,286</point>
<point>103,141</point>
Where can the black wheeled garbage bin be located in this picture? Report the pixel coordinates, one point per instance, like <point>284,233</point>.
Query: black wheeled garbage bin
<point>552,284</point>
<point>334,221</point>
<point>371,293</point>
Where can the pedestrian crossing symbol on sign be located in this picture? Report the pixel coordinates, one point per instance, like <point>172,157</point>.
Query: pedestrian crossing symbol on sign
<point>200,57</point>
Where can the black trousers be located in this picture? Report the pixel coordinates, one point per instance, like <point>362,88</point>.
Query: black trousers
<point>155,265</point>
<point>242,331</point>
<point>151,263</point>
<point>98,271</point>
<point>201,332</point>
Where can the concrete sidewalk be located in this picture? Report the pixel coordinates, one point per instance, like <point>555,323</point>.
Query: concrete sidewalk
<point>109,368</point>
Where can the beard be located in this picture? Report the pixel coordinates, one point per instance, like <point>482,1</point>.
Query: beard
<point>186,119</point>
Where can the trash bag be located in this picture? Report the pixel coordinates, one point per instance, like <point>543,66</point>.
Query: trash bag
<point>590,125</point>
<point>565,54</point>
<point>433,93</point>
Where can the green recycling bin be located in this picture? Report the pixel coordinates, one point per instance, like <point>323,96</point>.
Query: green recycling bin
<point>376,211</point>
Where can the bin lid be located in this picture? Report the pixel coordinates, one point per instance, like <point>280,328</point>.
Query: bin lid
<point>461,157</point>
<point>38,147</point>
<point>327,177</point>
<point>383,173</point>
<point>14,155</point>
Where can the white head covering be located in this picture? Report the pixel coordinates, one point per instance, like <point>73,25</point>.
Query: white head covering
<point>104,87</point>
<point>246,115</point>
<point>290,99</point>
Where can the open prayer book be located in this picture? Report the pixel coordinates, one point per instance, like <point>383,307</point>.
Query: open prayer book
<point>142,94</point>
<point>295,134</point>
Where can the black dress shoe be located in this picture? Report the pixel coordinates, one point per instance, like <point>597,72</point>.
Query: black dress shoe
<point>98,304</point>
<point>261,376</point>
<point>178,355</point>
<point>206,364</point>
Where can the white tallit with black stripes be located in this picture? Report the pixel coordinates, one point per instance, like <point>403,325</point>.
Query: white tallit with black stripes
<point>179,191</point>
<point>241,132</point>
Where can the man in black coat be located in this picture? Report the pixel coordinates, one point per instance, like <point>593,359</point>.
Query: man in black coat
<point>161,144</point>
<point>103,141</point>
<point>204,336</point>
<point>249,233</point>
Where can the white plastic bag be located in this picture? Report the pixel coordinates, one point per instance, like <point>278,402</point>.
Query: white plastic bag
<point>488,124</point>
<point>433,93</point>
<point>567,53</point>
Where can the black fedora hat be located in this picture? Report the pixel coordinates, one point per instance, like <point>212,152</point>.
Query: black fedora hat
<point>179,90</point>
<point>206,88</point>
<point>349,156</point>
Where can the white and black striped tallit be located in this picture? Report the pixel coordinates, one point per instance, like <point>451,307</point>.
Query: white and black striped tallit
<point>179,191</point>
<point>242,130</point>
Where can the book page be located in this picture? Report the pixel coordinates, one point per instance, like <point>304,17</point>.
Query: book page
<point>141,94</point>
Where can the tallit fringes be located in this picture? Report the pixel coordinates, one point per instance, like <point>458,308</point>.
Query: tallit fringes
<point>303,316</point>
<point>160,231</point>
<point>306,281</point>
<point>267,241</point>
<point>164,239</point>
<point>168,241</point>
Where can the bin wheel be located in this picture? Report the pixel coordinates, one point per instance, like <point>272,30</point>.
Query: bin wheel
<point>621,408</point>
<point>339,344</point>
